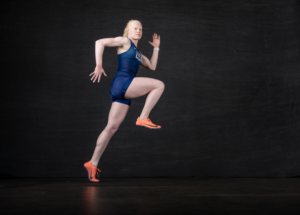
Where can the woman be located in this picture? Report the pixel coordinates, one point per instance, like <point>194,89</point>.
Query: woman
<point>126,86</point>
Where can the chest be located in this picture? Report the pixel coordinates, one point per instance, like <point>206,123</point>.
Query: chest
<point>132,53</point>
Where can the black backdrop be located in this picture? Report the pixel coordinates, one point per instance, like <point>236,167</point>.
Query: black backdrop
<point>230,106</point>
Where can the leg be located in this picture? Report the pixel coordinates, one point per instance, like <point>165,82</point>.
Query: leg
<point>117,114</point>
<point>141,86</point>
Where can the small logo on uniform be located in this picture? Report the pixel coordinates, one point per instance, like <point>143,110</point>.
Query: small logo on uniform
<point>138,56</point>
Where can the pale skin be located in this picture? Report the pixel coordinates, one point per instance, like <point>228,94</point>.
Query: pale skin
<point>139,86</point>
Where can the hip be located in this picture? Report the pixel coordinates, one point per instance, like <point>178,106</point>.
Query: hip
<point>120,85</point>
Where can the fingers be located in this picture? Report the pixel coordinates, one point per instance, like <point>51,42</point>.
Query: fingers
<point>97,76</point>
<point>93,77</point>
<point>155,36</point>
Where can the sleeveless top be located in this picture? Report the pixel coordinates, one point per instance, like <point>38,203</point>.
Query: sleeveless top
<point>129,61</point>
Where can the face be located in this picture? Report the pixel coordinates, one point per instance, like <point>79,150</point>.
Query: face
<point>135,30</point>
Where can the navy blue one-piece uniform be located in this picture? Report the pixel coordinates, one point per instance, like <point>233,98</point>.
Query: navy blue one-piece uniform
<point>128,66</point>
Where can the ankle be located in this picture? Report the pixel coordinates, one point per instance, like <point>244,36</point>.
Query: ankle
<point>93,164</point>
<point>143,118</point>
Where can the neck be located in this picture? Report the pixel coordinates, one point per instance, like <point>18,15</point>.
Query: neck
<point>134,41</point>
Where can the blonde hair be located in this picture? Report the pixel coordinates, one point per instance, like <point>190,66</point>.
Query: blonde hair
<point>125,34</point>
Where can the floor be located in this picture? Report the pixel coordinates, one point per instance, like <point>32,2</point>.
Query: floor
<point>150,196</point>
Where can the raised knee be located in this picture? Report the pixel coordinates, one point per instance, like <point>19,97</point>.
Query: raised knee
<point>162,85</point>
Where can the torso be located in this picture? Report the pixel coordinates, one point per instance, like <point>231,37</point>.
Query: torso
<point>129,59</point>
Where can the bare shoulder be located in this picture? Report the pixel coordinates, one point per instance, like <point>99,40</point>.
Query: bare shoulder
<point>125,44</point>
<point>115,41</point>
<point>123,40</point>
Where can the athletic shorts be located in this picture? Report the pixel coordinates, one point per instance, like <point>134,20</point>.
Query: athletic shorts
<point>119,87</point>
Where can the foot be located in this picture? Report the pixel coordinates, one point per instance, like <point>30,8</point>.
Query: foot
<point>92,171</point>
<point>147,123</point>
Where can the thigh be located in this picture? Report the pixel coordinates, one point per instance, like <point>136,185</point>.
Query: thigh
<point>141,86</point>
<point>117,114</point>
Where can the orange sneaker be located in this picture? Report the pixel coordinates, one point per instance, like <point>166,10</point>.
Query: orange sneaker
<point>91,171</point>
<point>146,123</point>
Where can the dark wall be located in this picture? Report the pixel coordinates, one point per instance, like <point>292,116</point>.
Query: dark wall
<point>230,107</point>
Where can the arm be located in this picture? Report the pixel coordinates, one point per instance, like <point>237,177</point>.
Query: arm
<point>109,42</point>
<point>150,64</point>
<point>153,62</point>
<point>99,49</point>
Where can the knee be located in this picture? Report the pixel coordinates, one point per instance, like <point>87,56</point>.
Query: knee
<point>161,85</point>
<point>111,129</point>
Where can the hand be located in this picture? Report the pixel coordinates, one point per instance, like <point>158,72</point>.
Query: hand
<point>156,40</point>
<point>97,73</point>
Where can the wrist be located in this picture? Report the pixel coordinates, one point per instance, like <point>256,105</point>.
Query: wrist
<point>156,48</point>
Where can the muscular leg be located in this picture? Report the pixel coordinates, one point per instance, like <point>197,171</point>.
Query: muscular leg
<point>141,86</point>
<point>117,114</point>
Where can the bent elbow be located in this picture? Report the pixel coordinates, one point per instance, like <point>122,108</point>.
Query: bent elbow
<point>98,41</point>
<point>150,67</point>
